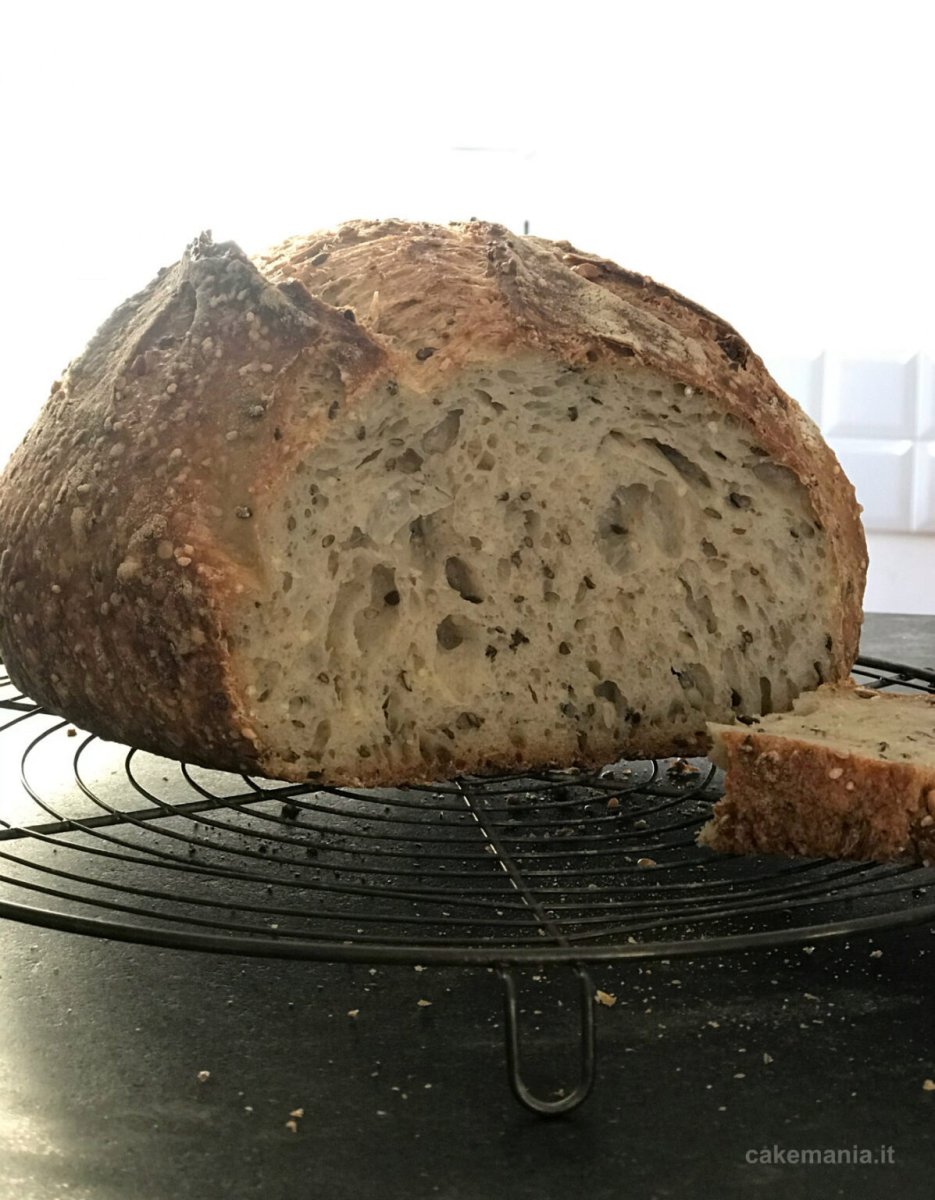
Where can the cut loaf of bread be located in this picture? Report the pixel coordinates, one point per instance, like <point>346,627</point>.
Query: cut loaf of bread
<point>849,773</point>
<point>398,502</point>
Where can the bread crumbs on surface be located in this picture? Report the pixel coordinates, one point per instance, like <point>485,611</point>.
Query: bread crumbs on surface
<point>292,1126</point>
<point>608,999</point>
<point>203,1076</point>
<point>353,1012</point>
<point>928,1085</point>
<point>876,953</point>
<point>808,949</point>
<point>424,1003</point>
<point>297,1112</point>
<point>767,1058</point>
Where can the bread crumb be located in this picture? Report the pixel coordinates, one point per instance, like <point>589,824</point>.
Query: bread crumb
<point>767,1058</point>
<point>876,953</point>
<point>203,1076</point>
<point>424,1003</point>
<point>928,1085</point>
<point>646,862</point>
<point>808,949</point>
<point>297,1112</point>
<point>353,1012</point>
<point>608,999</point>
<point>292,1126</point>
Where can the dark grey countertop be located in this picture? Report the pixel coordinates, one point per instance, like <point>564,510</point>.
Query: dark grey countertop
<point>702,1063</point>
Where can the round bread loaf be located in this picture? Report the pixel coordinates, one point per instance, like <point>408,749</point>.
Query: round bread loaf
<point>399,502</point>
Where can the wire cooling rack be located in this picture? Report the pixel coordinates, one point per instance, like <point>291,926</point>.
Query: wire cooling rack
<point>498,871</point>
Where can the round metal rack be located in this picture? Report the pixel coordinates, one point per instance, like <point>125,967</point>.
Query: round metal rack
<point>499,871</point>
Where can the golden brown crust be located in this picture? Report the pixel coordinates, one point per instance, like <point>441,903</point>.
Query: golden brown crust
<point>126,514</point>
<point>787,796</point>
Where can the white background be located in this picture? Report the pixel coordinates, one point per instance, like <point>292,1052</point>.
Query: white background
<point>772,161</point>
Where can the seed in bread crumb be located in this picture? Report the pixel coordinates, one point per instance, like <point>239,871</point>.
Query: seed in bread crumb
<point>835,772</point>
<point>608,999</point>
<point>646,862</point>
<point>613,803</point>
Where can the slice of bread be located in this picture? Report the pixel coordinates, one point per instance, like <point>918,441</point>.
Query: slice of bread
<point>397,502</point>
<point>849,773</point>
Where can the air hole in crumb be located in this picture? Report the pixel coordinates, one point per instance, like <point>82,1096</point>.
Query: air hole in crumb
<point>450,633</point>
<point>690,471</point>
<point>441,437</point>
<point>383,585</point>
<point>461,578</point>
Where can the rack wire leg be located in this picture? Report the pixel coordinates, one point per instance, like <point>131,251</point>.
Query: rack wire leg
<point>587,1054</point>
